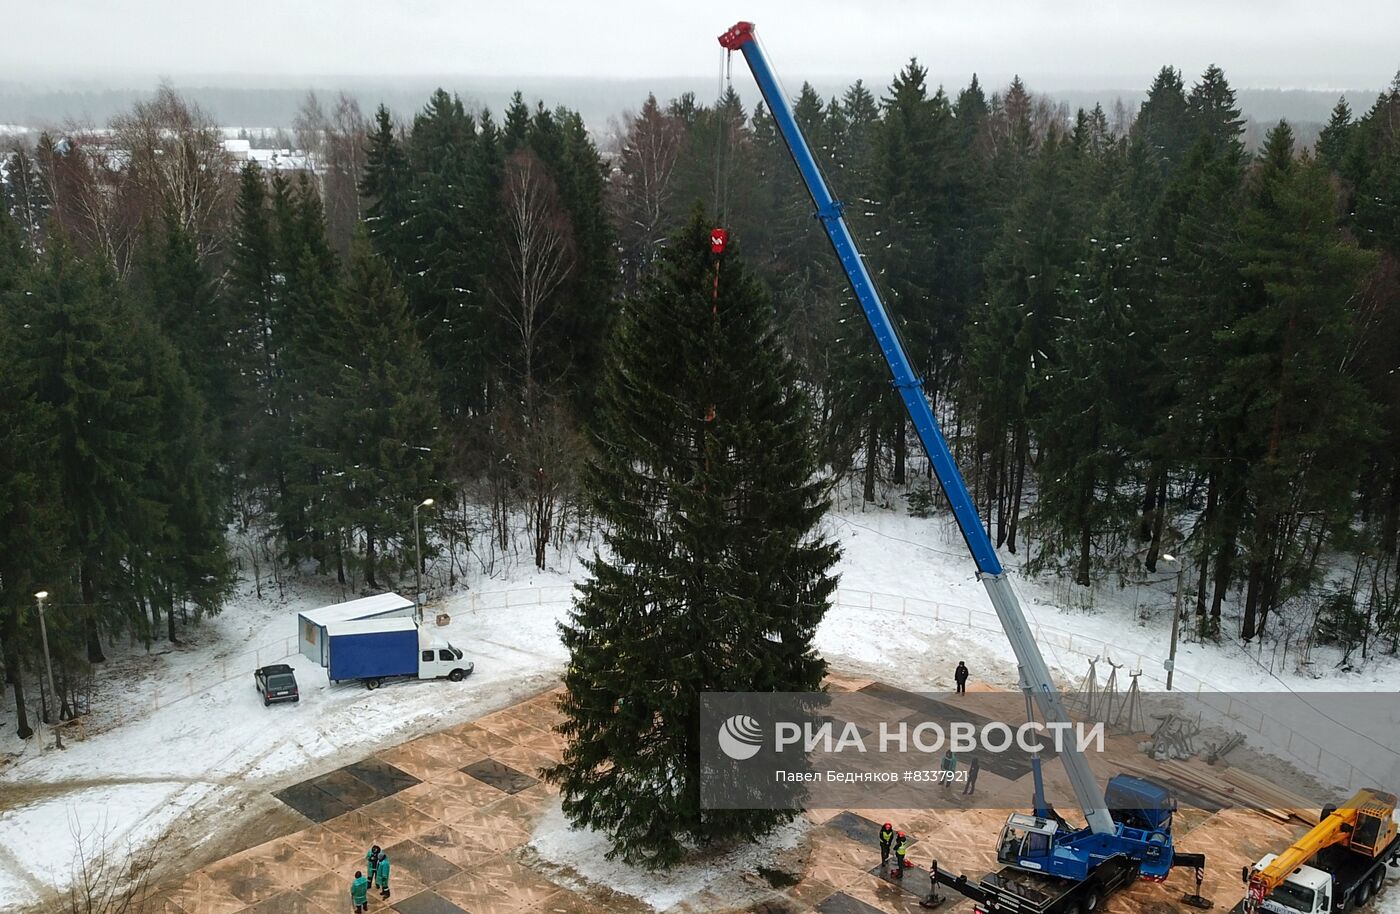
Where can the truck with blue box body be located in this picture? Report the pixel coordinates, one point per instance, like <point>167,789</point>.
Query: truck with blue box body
<point>373,650</point>
<point>311,623</point>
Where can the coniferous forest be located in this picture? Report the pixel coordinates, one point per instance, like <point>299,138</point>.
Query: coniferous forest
<point>1142,338</point>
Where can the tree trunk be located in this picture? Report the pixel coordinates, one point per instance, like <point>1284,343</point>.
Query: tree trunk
<point>1022,454</point>
<point>1086,539</point>
<point>872,450</point>
<point>899,450</point>
<point>1224,565</point>
<point>1159,523</point>
<point>1000,488</point>
<point>1252,598</point>
<point>369,560</point>
<point>170,621</point>
<point>1203,561</point>
<point>66,710</point>
<point>542,530</point>
<point>1273,585</point>
<point>1081,573</point>
<point>89,591</point>
<point>1390,512</point>
<point>14,675</point>
<point>543,511</point>
<point>1149,509</point>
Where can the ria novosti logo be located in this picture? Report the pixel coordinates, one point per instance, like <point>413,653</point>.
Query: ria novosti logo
<point>740,737</point>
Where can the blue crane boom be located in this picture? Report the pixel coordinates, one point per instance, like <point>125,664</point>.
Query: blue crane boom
<point>1071,853</point>
<point>1035,674</point>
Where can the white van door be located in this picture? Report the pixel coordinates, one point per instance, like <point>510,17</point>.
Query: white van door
<point>436,662</point>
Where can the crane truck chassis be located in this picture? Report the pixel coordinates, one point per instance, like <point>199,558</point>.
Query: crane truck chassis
<point>1014,891</point>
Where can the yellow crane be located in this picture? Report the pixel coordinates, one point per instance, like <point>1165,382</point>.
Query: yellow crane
<point>1339,862</point>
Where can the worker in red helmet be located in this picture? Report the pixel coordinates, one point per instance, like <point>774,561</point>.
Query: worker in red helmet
<point>901,855</point>
<point>886,839</point>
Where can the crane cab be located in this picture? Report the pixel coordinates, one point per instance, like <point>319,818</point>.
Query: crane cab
<point>1374,828</point>
<point>1027,842</point>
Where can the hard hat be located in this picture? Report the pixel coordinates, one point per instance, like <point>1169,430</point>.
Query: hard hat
<point>888,826</point>
<point>901,834</point>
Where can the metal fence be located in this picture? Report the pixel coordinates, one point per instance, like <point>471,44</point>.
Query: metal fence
<point>218,671</point>
<point>1305,752</point>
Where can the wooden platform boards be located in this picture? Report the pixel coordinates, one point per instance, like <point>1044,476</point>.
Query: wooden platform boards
<point>458,809</point>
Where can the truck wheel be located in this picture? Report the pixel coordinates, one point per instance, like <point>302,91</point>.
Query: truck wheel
<point>456,675</point>
<point>371,684</point>
<point>1378,880</point>
<point>266,701</point>
<point>1363,894</point>
<point>1090,902</point>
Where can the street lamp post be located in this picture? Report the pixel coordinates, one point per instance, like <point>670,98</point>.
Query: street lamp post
<point>1176,617</point>
<point>39,599</point>
<point>418,560</point>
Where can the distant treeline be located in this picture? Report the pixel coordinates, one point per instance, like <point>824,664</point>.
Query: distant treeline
<point>597,101</point>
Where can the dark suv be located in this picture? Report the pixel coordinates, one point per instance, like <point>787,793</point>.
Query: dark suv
<point>277,683</point>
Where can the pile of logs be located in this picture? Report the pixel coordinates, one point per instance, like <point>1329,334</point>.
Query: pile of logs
<point>1229,787</point>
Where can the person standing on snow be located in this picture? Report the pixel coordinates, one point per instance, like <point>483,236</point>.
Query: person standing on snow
<point>901,856</point>
<point>960,677</point>
<point>383,874</point>
<point>359,893</point>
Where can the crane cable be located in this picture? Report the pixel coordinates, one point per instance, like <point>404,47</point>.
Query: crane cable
<point>719,236</point>
<point>723,137</point>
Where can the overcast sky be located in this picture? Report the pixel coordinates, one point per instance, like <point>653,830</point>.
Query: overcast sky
<point>1053,43</point>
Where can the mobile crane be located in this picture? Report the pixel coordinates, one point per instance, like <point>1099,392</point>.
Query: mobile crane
<point>1339,863</point>
<point>1041,843</point>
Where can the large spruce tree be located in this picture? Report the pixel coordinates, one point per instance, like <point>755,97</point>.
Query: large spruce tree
<point>1286,359</point>
<point>714,574</point>
<point>32,548</point>
<point>371,424</point>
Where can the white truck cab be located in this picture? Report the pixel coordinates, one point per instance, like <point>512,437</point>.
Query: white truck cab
<point>1306,890</point>
<point>438,659</point>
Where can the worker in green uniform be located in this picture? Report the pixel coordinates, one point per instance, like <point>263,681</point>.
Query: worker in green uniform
<point>372,859</point>
<point>383,874</point>
<point>359,893</point>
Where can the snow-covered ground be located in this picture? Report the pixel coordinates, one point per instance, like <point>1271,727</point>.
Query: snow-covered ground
<point>910,608</point>
<point>578,857</point>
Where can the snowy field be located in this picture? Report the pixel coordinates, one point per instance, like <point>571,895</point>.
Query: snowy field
<point>166,756</point>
